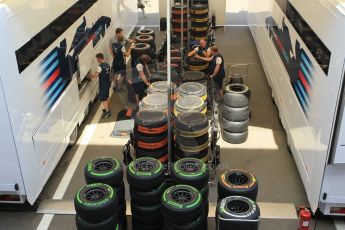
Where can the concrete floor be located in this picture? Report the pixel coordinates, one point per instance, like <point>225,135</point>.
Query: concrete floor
<point>265,153</point>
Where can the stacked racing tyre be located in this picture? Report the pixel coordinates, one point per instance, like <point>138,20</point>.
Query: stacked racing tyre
<point>199,21</point>
<point>148,39</point>
<point>180,26</point>
<point>96,208</point>
<point>183,209</point>
<point>146,180</point>
<point>151,135</point>
<point>191,136</point>
<point>238,182</point>
<point>193,172</point>
<point>192,89</point>
<point>154,102</point>
<point>108,170</point>
<point>161,87</point>
<point>140,49</point>
<point>194,76</point>
<point>236,113</point>
<point>236,212</point>
<point>196,64</point>
<point>188,104</point>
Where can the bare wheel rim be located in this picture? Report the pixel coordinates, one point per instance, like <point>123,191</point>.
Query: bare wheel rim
<point>238,179</point>
<point>190,166</point>
<point>104,165</point>
<point>182,196</point>
<point>95,194</point>
<point>238,207</point>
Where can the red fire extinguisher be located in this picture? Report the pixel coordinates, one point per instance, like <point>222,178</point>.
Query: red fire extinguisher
<point>304,219</point>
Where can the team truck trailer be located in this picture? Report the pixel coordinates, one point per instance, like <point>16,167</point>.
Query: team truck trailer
<point>301,46</point>
<point>47,50</point>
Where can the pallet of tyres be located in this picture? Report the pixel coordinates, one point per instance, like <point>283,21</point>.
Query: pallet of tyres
<point>236,113</point>
<point>146,180</point>
<point>183,208</point>
<point>96,207</point>
<point>151,124</point>
<point>180,21</point>
<point>191,136</point>
<point>108,170</point>
<point>237,193</point>
<point>193,172</point>
<point>154,102</point>
<point>199,21</point>
<point>189,104</point>
<point>196,64</point>
<point>194,76</point>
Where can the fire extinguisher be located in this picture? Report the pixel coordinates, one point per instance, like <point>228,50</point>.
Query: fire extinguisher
<point>304,219</point>
<point>213,20</point>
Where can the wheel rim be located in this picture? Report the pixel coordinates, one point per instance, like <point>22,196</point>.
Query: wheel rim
<point>238,207</point>
<point>238,179</point>
<point>182,196</point>
<point>104,165</point>
<point>95,194</point>
<point>145,166</point>
<point>190,166</point>
<point>237,88</point>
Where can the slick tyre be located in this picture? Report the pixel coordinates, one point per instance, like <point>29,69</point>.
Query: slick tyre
<point>108,224</point>
<point>234,138</point>
<point>149,198</point>
<point>236,114</point>
<point>237,95</point>
<point>146,214</point>
<point>235,126</point>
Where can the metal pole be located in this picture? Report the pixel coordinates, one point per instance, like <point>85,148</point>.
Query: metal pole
<point>182,35</point>
<point>169,79</point>
<point>188,23</point>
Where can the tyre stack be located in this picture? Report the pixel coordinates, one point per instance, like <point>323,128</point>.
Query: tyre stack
<point>161,87</point>
<point>192,89</point>
<point>194,76</point>
<point>193,172</point>
<point>108,170</point>
<point>96,206</point>
<point>177,11</point>
<point>189,104</point>
<point>237,208</point>
<point>147,36</point>
<point>146,180</point>
<point>199,21</point>
<point>196,64</point>
<point>236,113</point>
<point>151,135</point>
<point>191,136</point>
<point>183,208</point>
<point>154,102</point>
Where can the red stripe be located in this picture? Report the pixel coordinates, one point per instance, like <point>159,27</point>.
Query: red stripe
<point>52,78</point>
<point>304,81</point>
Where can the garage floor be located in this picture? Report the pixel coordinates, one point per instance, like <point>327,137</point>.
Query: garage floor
<point>265,153</point>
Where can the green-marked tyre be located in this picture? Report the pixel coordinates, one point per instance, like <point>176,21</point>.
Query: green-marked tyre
<point>104,170</point>
<point>110,223</point>
<point>145,174</point>
<point>148,198</point>
<point>158,225</point>
<point>198,224</point>
<point>95,202</point>
<point>190,171</point>
<point>146,214</point>
<point>182,204</point>
<point>238,182</point>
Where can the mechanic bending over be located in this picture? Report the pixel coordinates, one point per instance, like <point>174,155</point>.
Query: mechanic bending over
<point>202,49</point>
<point>140,76</point>
<point>119,54</point>
<point>103,74</point>
<point>216,69</point>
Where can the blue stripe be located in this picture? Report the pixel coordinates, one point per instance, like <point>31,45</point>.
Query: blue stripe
<point>50,59</point>
<point>49,72</point>
<point>304,94</point>
<point>307,61</point>
<point>306,73</point>
<point>300,98</point>
<point>56,95</point>
<point>52,88</point>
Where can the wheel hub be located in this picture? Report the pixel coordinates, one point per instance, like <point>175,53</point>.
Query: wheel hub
<point>94,194</point>
<point>182,196</point>
<point>102,166</point>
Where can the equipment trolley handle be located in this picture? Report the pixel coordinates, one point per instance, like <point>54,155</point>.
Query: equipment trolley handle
<point>238,73</point>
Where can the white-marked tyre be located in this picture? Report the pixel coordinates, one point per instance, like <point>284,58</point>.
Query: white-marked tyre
<point>236,114</point>
<point>238,182</point>
<point>234,138</point>
<point>237,95</point>
<point>235,126</point>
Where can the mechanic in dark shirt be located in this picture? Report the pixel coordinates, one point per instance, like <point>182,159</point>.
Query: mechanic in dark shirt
<point>140,76</point>
<point>103,75</point>
<point>202,50</point>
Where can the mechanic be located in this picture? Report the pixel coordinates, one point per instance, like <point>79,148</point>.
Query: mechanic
<point>119,54</point>
<point>103,74</point>
<point>202,49</point>
<point>140,76</point>
<point>216,69</point>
